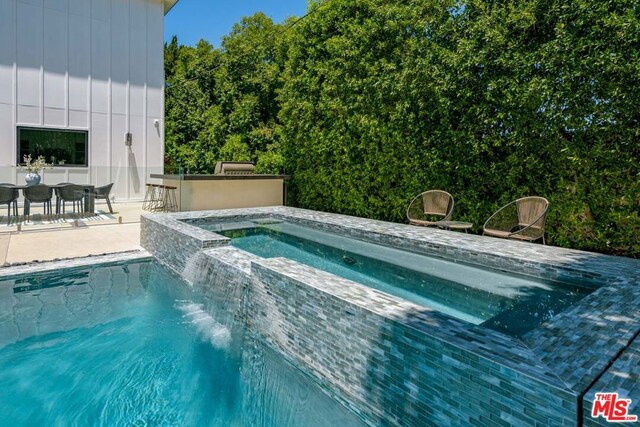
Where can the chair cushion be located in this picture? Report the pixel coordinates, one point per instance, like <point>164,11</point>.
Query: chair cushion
<point>496,233</point>
<point>507,235</point>
<point>523,237</point>
<point>421,222</point>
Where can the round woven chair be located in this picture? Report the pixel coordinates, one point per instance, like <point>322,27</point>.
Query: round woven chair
<point>523,219</point>
<point>427,208</point>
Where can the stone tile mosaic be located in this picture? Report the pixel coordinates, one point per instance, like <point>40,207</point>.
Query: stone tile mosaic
<point>623,377</point>
<point>36,267</point>
<point>364,345</point>
<point>394,358</point>
<point>581,342</point>
<point>174,246</point>
<point>537,260</point>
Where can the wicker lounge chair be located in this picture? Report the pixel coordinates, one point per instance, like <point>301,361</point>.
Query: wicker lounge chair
<point>72,193</point>
<point>9,196</point>
<point>428,208</point>
<point>522,219</point>
<point>37,194</point>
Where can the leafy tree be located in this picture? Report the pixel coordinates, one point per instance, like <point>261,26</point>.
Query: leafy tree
<point>234,150</point>
<point>221,103</point>
<point>368,102</point>
<point>489,100</point>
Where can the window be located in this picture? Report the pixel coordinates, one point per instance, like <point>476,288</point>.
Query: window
<point>58,147</point>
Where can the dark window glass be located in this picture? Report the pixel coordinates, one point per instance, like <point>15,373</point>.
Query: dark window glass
<point>59,147</point>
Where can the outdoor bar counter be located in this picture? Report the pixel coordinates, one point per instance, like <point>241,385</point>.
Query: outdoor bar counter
<point>220,191</point>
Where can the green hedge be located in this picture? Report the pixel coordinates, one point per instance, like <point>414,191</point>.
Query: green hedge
<point>489,100</point>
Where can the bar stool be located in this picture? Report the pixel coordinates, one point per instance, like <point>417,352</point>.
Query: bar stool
<point>169,200</point>
<point>147,197</point>
<point>160,198</point>
<point>151,197</point>
<point>157,201</point>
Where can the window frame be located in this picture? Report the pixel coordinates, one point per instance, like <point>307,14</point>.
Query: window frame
<point>20,161</point>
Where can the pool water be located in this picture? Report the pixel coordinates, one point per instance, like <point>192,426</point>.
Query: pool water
<point>505,302</point>
<point>132,345</point>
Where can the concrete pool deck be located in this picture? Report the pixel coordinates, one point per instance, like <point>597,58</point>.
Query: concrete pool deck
<point>48,245</point>
<point>47,241</point>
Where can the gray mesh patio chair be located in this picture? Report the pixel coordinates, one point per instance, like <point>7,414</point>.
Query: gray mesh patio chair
<point>56,191</point>
<point>430,207</point>
<point>72,193</point>
<point>522,219</point>
<point>103,193</point>
<point>40,193</point>
<point>9,196</point>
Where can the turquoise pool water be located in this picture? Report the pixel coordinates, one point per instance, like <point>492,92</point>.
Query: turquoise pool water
<point>131,345</point>
<point>505,302</point>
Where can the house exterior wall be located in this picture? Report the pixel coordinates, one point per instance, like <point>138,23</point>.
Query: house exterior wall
<point>94,65</point>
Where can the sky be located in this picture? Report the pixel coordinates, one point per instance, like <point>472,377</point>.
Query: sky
<point>192,20</point>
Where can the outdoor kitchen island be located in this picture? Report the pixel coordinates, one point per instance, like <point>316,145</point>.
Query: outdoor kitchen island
<point>230,187</point>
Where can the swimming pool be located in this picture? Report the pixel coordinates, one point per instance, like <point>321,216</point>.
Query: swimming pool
<point>501,301</point>
<point>130,344</point>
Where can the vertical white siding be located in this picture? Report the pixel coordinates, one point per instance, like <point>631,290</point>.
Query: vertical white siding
<point>7,89</point>
<point>7,50</point>
<point>85,64</point>
<point>29,58</point>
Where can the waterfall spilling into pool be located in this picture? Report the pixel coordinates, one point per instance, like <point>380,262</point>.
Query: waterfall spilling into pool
<point>208,329</point>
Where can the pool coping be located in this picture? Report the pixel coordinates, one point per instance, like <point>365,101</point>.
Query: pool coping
<point>79,262</point>
<point>571,351</point>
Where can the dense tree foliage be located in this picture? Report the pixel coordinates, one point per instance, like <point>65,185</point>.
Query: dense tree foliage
<point>369,102</point>
<point>221,103</point>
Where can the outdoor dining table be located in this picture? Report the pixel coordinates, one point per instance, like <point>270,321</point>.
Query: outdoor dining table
<point>89,199</point>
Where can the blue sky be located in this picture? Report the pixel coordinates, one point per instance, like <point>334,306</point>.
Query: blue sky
<point>192,20</point>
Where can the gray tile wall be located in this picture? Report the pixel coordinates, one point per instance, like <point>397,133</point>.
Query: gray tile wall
<point>622,377</point>
<point>390,366</point>
<point>175,246</point>
<point>401,364</point>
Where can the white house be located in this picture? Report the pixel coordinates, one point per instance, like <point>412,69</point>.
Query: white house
<point>82,83</point>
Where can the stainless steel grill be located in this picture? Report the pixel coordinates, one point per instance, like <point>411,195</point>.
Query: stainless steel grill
<point>235,168</point>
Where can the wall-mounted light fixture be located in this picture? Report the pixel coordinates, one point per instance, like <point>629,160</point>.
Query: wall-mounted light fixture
<point>128,139</point>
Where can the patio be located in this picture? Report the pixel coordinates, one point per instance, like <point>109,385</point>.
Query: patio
<point>41,240</point>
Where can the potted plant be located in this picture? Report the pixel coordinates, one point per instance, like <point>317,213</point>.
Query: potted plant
<point>33,168</point>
